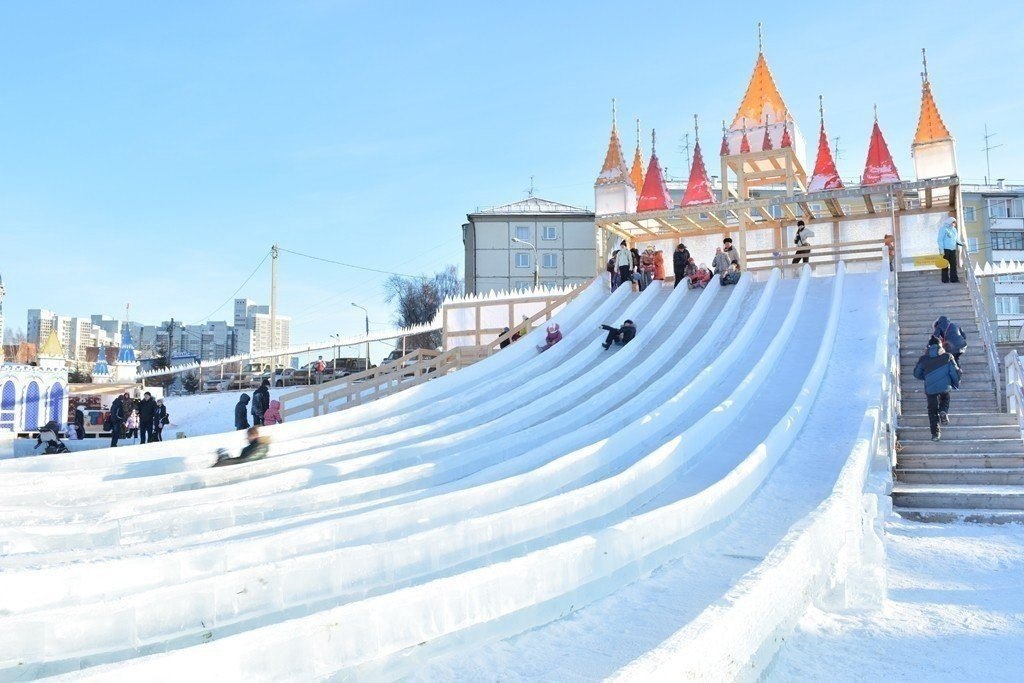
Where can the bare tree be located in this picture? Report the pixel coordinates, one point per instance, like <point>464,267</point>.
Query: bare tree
<point>419,299</point>
<point>14,336</point>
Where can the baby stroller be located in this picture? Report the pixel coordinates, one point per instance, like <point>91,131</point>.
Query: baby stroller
<point>50,434</point>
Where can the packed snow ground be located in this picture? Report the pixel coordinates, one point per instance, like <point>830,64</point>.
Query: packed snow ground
<point>500,500</point>
<point>955,612</point>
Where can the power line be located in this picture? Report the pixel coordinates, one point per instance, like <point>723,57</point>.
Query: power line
<point>350,265</point>
<point>230,298</point>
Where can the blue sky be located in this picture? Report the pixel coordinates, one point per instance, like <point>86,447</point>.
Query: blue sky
<point>151,152</point>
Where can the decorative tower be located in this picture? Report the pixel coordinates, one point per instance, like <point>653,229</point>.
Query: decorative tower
<point>698,188</point>
<point>613,189</point>
<point>879,169</point>
<point>51,354</point>
<point>636,172</point>
<point>101,371</point>
<point>654,196</point>
<point>934,149</point>
<point>126,370</point>
<point>825,176</point>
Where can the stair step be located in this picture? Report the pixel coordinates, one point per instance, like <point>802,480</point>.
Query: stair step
<point>962,446</point>
<point>964,395</point>
<point>961,419</point>
<point>957,497</point>
<point>963,516</point>
<point>964,461</point>
<point>953,432</point>
<point>995,476</point>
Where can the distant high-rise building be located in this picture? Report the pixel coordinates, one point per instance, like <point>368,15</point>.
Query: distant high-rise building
<point>39,323</point>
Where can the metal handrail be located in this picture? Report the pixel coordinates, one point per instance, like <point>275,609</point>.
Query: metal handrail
<point>984,326</point>
<point>1015,388</point>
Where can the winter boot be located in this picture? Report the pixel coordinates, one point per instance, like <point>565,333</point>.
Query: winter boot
<point>936,436</point>
<point>943,417</point>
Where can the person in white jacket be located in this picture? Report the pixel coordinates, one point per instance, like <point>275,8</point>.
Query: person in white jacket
<point>624,264</point>
<point>803,235</point>
<point>949,239</point>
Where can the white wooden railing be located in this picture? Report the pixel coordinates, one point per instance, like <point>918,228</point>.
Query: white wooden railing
<point>1015,388</point>
<point>988,342</point>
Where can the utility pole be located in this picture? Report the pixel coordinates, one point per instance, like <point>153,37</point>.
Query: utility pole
<point>273,306</point>
<point>987,148</point>
<point>366,313</point>
<point>170,341</point>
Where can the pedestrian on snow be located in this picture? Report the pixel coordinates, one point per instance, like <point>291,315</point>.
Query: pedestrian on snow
<point>949,240</point>
<point>257,449</point>
<point>940,373</point>
<point>160,420</point>
<point>730,251</point>
<point>506,341</point>
<point>680,260</point>
<point>260,402</point>
<point>803,234</point>
<point>732,276</point>
<point>659,265</point>
<point>619,335</point>
<point>646,267</point>
<point>624,264</point>
<point>953,337</point>
<point>700,276</point>
<point>132,425</point>
<point>721,262</point>
<point>318,369</point>
<point>273,414</point>
<point>80,422</point>
<point>612,270</point>
<point>554,336</point>
<point>147,411</point>
<point>242,412</point>
<point>118,417</point>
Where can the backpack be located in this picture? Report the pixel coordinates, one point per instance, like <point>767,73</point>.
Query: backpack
<point>611,265</point>
<point>108,424</point>
<point>796,240</point>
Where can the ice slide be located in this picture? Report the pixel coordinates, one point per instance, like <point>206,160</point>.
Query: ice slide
<point>380,552</point>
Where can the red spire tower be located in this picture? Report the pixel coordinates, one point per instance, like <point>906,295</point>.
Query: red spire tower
<point>698,188</point>
<point>654,196</point>
<point>825,176</point>
<point>879,168</point>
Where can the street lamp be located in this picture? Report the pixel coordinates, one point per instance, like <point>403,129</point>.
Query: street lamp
<point>536,261</point>
<point>367,314</point>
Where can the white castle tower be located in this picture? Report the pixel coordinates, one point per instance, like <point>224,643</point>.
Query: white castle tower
<point>934,149</point>
<point>613,189</point>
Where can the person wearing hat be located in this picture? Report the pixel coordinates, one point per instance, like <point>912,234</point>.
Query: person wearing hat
<point>680,260</point>
<point>554,336</point>
<point>803,235</point>
<point>646,267</point>
<point>941,374</point>
<point>619,335</point>
<point>624,263</point>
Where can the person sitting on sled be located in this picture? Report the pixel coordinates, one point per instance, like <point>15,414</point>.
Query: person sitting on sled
<point>256,450</point>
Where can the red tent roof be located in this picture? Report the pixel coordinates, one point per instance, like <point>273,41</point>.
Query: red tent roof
<point>725,145</point>
<point>825,176</point>
<point>654,196</point>
<point>744,143</point>
<point>698,189</point>
<point>786,141</point>
<point>767,142</point>
<point>879,168</point>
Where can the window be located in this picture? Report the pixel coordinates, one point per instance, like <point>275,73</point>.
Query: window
<point>1007,305</point>
<point>550,260</point>
<point>1006,333</point>
<point>550,232</point>
<point>969,214</point>
<point>775,211</point>
<point>703,216</point>
<point>1007,239</point>
<point>1009,279</point>
<point>1005,207</point>
<point>522,259</point>
<point>972,245</point>
<point>522,284</point>
<point>523,232</point>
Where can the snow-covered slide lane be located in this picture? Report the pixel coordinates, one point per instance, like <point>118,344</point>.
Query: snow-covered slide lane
<point>78,581</point>
<point>325,469</point>
<point>787,330</point>
<point>582,307</point>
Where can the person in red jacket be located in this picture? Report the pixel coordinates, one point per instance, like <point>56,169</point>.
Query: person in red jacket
<point>554,336</point>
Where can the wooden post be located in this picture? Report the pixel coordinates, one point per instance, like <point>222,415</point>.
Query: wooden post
<point>478,324</point>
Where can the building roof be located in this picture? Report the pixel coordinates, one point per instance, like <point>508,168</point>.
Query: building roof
<point>614,169</point>
<point>654,196</point>
<point>825,176</point>
<point>762,101</point>
<point>126,354</point>
<point>929,124</point>
<point>698,189</point>
<point>532,206</point>
<point>51,348</point>
<point>879,168</point>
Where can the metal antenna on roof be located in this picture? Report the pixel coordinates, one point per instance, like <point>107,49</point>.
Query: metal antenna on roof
<point>924,62</point>
<point>760,39</point>
<point>835,148</point>
<point>685,147</point>
<point>529,191</point>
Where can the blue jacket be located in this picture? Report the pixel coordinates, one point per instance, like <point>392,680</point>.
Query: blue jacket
<point>938,370</point>
<point>948,237</point>
<point>952,334</point>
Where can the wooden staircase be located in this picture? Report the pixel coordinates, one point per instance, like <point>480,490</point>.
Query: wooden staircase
<point>976,471</point>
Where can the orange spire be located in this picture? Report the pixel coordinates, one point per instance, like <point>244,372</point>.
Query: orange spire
<point>744,142</point>
<point>762,97</point>
<point>725,142</point>
<point>766,144</point>
<point>654,196</point>
<point>698,188</point>
<point>614,169</point>
<point>879,168</point>
<point>825,176</point>
<point>929,124</point>
<point>636,173</point>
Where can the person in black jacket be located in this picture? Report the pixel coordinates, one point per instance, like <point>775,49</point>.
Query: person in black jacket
<point>147,409</point>
<point>80,421</point>
<point>257,449</point>
<point>119,411</point>
<point>941,374</point>
<point>241,412</point>
<point>160,418</point>
<point>680,257</point>
<point>260,402</point>
<point>619,335</point>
